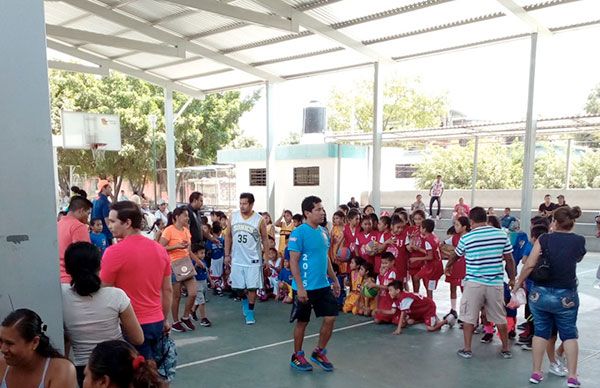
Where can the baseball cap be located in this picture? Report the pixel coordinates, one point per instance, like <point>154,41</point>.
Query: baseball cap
<point>102,183</point>
<point>160,202</point>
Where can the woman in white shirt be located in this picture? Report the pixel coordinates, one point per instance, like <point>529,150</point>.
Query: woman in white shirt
<point>91,313</point>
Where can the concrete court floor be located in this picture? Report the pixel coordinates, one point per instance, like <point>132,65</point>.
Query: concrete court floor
<point>231,354</point>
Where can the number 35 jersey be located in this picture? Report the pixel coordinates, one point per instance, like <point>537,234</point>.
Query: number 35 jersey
<point>246,241</point>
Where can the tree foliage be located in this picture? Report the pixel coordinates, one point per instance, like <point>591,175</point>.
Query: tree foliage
<point>206,125</point>
<point>404,107</point>
<point>291,139</point>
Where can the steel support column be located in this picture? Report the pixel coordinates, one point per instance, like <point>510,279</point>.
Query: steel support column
<point>475,170</point>
<point>170,145</point>
<point>530,132</point>
<point>270,150</point>
<point>377,134</point>
<point>568,172</point>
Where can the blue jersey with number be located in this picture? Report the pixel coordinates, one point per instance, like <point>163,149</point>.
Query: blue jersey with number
<point>313,245</point>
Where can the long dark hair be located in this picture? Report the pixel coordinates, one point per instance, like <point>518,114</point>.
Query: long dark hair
<point>121,363</point>
<point>82,262</point>
<point>174,214</point>
<point>30,325</point>
<point>464,221</point>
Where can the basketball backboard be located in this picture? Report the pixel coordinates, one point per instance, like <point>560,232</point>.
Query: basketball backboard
<point>82,130</point>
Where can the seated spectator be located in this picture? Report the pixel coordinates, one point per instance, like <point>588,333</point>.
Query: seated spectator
<point>461,209</point>
<point>118,364</point>
<point>93,314</point>
<point>418,204</point>
<point>28,354</point>
<point>507,221</point>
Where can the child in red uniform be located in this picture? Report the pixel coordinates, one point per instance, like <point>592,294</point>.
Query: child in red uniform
<point>366,240</point>
<point>385,277</point>
<point>351,231</point>
<point>398,248</point>
<point>414,308</point>
<point>415,246</point>
<point>384,227</point>
<point>456,272</point>
<point>432,269</point>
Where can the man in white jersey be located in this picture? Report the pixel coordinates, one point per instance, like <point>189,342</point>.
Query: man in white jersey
<point>245,231</point>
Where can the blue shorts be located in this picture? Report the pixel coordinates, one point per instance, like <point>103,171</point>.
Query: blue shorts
<point>554,308</point>
<point>152,333</point>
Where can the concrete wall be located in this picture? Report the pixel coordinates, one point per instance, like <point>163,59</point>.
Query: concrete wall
<point>587,199</point>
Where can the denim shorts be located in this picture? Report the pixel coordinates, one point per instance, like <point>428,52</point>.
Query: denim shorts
<point>152,333</point>
<point>554,308</point>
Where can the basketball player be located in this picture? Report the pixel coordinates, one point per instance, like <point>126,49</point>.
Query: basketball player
<point>245,231</point>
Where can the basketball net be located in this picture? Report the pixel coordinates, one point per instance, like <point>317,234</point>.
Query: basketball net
<point>98,150</point>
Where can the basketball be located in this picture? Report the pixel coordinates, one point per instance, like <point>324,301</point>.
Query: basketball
<point>370,248</point>
<point>369,292</point>
<point>343,254</point>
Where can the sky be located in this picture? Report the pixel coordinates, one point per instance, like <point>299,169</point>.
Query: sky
<point>487,83</point>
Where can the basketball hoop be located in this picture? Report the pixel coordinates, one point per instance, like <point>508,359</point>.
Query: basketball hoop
<point>98,150</point>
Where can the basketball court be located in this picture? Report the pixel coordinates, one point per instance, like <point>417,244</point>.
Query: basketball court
<point>231,354</point>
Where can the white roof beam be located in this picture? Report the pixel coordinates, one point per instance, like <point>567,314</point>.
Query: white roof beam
<point>78,68</point>
<point>322,29</point>
<point>243,14</point>
<point>115,41</point>
<point>132,71</point>
<point>520,13</point>
<point>166,36</point>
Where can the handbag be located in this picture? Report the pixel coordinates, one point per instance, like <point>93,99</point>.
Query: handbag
<point>183,269</point>
<point>166,357</point>
<point>542,272</point>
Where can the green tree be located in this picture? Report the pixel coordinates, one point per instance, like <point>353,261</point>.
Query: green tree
<point>206,125</point>
<point>243,141</point>
<point>404,107</point>
<point>586,170</point>
<point>291,139</point>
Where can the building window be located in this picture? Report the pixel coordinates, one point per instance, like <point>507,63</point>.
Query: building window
<point>306,176</point>
<point>405,171</point>
<point>258,177</point>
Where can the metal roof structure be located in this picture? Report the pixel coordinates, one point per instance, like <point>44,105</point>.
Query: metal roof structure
<point>204,46</point>
<point>544,127</point>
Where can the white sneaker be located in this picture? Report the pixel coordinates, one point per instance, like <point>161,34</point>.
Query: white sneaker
<point>557,369</point>
<point>451,320</point>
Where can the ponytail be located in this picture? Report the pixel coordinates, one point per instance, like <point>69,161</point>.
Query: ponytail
<point>121,363</point>
<point>82,262</point>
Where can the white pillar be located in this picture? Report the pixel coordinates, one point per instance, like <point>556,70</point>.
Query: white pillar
<point>338,179</point>
<point>568,173</point>
<point>270,149</point>
<point>170,145</point>
<point>475,170</point>
<point>29,275</point>
<point>530,130</point>
<point>378,85</point>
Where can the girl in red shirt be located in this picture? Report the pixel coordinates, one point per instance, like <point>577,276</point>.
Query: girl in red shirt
<point>415,244</point>
<point>367,240</point>
<point>351,231</point>
<point>384,227</point>
<point>432,269</point>
<point>396,245</point>
<point>456,273</point>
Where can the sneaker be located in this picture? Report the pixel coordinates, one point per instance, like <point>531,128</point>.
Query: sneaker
<point>188,324</point>
<point>572,382</point>
<point>527,346</point>
<point>557,370</point>
<point>487,338</point>
<point>536,378</point>
<point>512,334</point>
<point>205,322</point>
<point>450,319</point>
<point>524,340</point>
<point>522,326</point>
<point>319,356</point>
<point>299,362</point>
<point>465,353</point>
<point>195,316</point>
<point>506,354</point>
<point>178,327</point>
<point>561,359</point>
<point>250,318</point>
<point>478,330</point>
<point>245,307</point>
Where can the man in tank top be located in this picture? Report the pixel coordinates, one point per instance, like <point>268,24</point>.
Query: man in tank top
<point>245,241</point>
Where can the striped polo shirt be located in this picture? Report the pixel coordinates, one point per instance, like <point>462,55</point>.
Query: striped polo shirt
<point>483,249</point>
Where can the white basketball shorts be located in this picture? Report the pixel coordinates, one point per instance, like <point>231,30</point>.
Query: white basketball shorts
<point>246,278</point>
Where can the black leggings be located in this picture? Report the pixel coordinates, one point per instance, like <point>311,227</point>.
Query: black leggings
<point>439,205</point>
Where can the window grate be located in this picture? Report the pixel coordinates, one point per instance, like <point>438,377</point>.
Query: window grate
<point>258,176</point>
<point>306,176</point>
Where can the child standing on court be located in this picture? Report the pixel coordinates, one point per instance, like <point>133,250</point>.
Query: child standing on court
<point>384,227</point>
<point>96,236</point>
<point>432,269</point>
<point>455,273</point>
<point>217,254</point>
<point>415,246</point>
<point>385,277</point>
<point>353,282</point>
<point>201,282</point>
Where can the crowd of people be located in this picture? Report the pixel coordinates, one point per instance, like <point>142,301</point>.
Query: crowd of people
<point>122,289</point>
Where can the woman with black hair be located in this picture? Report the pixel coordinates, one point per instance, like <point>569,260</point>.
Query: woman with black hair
<point>93,314</point>
<point>29,360</point>
<point>116,364</point>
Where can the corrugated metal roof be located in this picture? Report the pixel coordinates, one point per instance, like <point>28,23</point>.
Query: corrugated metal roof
<point>224,52</point>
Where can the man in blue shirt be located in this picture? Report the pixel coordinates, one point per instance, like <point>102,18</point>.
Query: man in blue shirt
<point>102,207</point>
<point>310,265</point>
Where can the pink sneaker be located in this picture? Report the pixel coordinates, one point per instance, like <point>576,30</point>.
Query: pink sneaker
<point>536,378</point>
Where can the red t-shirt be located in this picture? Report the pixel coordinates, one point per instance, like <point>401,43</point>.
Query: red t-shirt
<point>70,230</point>
<point>383,237</point>
<point>350,237</point>
<point>384,300</point>
<point>414,236</point>
<point>417,306</point>
<point>363,239</point>
<point>434,267</point>
<point>138,266</point>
